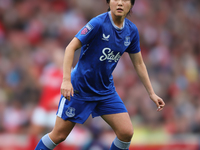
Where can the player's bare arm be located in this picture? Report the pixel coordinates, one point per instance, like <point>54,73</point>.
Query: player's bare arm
<point>141,70</point>
<point>66,86</point>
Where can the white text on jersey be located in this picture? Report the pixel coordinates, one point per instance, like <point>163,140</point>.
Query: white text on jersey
<point>108,54</point>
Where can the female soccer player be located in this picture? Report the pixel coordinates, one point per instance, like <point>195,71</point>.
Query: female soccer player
<point>89,88</point>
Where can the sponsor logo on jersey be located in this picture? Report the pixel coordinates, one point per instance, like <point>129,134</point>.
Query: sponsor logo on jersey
<point>105,38</point>
<point>70,112</point>
<point>86,29</point>
<point>109,55</point>
<point>127,41</point>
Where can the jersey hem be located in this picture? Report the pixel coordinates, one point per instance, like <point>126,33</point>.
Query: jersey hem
<point>94,98</point>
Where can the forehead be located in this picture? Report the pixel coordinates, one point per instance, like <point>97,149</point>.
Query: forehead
<point>126,1</point>
<point>120,0</point>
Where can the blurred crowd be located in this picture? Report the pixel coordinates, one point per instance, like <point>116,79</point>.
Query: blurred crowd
<point>34,34</point>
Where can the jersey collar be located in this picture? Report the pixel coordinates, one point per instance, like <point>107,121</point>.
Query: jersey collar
<point>109,13</point>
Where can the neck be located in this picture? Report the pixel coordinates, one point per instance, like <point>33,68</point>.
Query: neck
<point>118,20</point>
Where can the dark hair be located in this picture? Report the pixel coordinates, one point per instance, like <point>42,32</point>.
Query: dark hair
<point>132,3</point>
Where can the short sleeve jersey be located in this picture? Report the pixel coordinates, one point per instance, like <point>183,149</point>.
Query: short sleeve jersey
<point>103,44</point>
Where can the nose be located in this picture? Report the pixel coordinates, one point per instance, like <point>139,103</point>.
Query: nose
<point>120,2</point>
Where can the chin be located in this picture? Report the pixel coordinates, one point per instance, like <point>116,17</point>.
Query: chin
<point>119,14</point>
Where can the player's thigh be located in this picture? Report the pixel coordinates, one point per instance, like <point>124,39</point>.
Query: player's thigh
<point>61,130</point>
<point>121,124</point>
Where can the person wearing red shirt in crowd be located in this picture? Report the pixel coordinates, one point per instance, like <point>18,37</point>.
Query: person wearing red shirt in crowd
<point>44,115</point>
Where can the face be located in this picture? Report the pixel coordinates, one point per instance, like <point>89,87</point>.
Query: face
<point>120,8</point>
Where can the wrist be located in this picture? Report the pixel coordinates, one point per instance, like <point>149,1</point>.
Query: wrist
<point>66,79</point>
<point>151,94</point>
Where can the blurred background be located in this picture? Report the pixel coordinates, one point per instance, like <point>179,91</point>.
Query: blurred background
<point>33,36</point>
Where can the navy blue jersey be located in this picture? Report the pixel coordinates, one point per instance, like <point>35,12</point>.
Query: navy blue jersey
<point>103,44</point>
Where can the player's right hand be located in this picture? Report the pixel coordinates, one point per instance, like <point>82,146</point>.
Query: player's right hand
<point>67,89</point>
<point>158,101</point>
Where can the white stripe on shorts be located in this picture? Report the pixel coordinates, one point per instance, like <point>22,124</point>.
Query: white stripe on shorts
<point>60,109</point>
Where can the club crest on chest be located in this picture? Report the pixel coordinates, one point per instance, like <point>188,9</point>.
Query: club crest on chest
<point>127,41</point>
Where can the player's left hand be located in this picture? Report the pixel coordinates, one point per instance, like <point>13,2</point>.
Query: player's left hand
<point>158,101</point>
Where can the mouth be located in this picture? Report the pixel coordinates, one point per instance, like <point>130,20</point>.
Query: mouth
<point>119,9</point>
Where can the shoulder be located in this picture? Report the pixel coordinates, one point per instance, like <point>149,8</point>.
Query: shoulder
<point>99,20</point>
<point>131,25</point>
<point>102,16</point>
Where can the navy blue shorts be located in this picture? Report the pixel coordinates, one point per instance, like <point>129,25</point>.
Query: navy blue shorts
<point>78,110</point>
